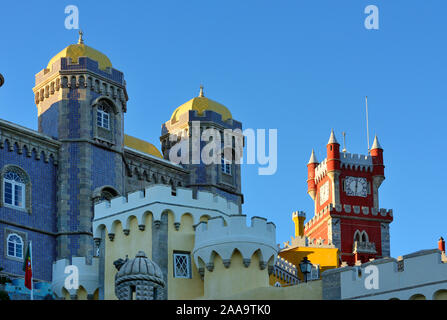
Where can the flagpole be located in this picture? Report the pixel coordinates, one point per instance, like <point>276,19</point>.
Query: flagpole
<point>31,256</point>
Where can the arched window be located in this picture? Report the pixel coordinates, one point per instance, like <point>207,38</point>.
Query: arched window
<point>226,165</point>
<point>15,246</point>
<point>104,193</point>
<point>16,188</point>
<point>365,237</point>
<point>103,117</point>
<point>107,194</point>
<point>357,236</point>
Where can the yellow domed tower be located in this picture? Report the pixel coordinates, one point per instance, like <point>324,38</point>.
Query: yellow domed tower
<point>195,123</point>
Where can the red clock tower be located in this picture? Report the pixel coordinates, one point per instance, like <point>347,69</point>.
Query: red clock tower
<point>345,189</point>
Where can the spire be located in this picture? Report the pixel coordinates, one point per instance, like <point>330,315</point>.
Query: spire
<point>332,138</point>
<point>376,144</point>
<point>201,91</point>
<point>313,158</point>
<point>81,40</point>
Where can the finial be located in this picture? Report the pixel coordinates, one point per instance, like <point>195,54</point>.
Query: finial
<point>81,40</point>
<point>201,91</point>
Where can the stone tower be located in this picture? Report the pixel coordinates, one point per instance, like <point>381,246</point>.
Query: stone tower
<point>193,124</point>
<point>345,190</point>
<point>81,101</point>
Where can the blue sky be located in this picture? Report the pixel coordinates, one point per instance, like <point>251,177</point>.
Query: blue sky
<point>302,67</point>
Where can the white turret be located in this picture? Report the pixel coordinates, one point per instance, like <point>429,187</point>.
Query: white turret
<point>233,257</point>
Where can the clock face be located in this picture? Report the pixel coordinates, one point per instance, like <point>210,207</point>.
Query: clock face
<point>355,186</point>
<point>324,193</point>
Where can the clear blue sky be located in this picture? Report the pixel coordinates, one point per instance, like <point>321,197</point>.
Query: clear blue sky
<point>302,67</point>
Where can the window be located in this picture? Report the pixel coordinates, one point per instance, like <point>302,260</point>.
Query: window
<point>103,117</point>
<point>15,246</point>
<point>182,265</point>
<point>315,272</point>
<point>226,166</point>
<point>13,189</point>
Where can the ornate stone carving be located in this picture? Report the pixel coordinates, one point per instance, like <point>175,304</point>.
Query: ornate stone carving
<point>139,278</point>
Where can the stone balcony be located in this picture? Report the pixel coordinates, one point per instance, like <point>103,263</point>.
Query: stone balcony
<point>364,247</point>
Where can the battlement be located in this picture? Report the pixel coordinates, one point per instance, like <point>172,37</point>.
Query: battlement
<point>356,161</point>
<point>298,214</point>
<point>348,161</point>
<point>321,170</point>
<point>399,278</point>
<point>223,237</point>
<point>307,242</point>
<point>157,199</point>
<point>88,275</point>
<point>205,116</point>
<point>349,210</point>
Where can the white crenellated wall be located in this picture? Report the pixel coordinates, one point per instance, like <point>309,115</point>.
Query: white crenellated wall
<point>356,161</point>
<point>157,199</point>
<point>88,275</point>
<point>321,170</point>
<point>214,237</point>
<point>232,257</point>
<point>422,273</point>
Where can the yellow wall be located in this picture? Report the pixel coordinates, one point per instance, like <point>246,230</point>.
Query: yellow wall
<point>312,290</point>
<point>222,281</point>
<point>182,240</point>
<point>327,258</point>
<point>66,294</point>
<point>81,293</point>
<point>440,295</point>
<point>123,245</point>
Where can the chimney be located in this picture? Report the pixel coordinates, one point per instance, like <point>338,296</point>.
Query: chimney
<point>441,244</point>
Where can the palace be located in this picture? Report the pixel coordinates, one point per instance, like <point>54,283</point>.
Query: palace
<point>136,225</point>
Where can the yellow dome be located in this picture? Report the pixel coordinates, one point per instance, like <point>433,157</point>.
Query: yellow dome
<point>142,146</point>
<point>75,51</point>
<point>201,104</point>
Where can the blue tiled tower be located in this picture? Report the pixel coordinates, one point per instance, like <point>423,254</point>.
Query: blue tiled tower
<point>81,101</point>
